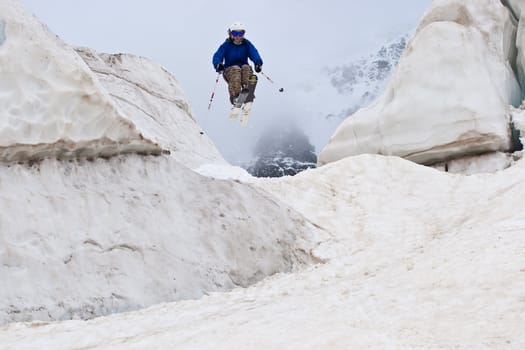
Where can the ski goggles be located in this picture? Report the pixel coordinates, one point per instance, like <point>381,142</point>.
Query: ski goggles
<point>237,33</point>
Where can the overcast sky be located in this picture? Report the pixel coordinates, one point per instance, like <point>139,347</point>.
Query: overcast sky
<point>296,40</point>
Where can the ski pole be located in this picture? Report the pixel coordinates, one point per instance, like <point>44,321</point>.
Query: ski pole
<point>211,99</point>
<point>271,81</point>
<point>214,88</point>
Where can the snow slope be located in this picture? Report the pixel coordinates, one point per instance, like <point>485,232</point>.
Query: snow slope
<point>419,259</point>
<point>155,102</point>
<point>83,239</point>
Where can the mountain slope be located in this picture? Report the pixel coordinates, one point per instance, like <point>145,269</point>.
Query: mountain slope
<point>364,79</point>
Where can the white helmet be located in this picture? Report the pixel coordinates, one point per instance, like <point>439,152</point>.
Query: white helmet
<point>236,26</point>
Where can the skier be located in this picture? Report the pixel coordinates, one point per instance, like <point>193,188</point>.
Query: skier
<point>231,58</point>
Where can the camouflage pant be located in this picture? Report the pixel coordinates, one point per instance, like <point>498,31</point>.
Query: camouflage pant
<point>237,78</point>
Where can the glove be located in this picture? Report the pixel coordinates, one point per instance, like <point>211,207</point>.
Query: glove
<point>258,68</point>
<point>219,68</point>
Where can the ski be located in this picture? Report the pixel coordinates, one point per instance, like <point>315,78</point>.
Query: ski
<point>246,113</point>
<point>235,113</point>
<point>248,102</point>
<point>245,101</point>
<point>237,106</point>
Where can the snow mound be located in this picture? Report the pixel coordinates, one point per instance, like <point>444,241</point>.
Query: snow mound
<point>128,232</point>
<point>450,94</point>
<point>154,101</point>
<point>431,261</point>
<point>55,105</point>
<point>52,103</point>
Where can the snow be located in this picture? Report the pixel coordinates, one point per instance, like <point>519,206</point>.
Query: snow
<point>417,259</point>
<point>362,80</point>
<point>56,105</point>
<point>520,44</point>
<point>120,234</point>
<point>368,251</point>
<point>484,163</point>
<point>83,236</point>
<point>516,6</point>
<point>224,172</point>
<point>154,101</point>
<point>461,109</point>
<point>52,102</point>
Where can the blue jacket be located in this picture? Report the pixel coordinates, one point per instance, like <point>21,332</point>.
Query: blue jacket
<point>236,55</point>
